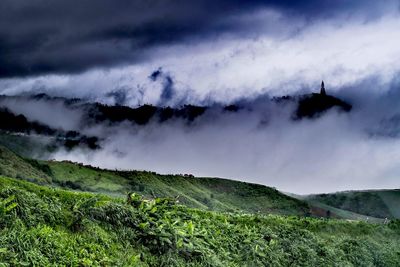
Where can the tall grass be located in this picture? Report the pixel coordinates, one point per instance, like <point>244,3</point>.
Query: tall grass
<point>41,226</point>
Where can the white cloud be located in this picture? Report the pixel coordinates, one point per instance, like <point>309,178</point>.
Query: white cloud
<point>283,60</point>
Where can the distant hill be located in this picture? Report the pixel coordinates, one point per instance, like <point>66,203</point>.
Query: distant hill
<point>18,123</point>
<point>314,105</point>
<point>308,106</point>
<point>376,203</point>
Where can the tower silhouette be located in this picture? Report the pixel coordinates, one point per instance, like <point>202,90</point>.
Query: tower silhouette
<point>322,92</point>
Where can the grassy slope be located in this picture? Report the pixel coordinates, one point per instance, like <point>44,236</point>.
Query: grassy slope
<point>344,214</point>
<point>53,227</point>
<point>213,193</point>
<point>28,146</point>
<point>205,193</point>
<point>210,193</point>
<point>376,203</point>
<point>13,165</point>
<point>391,198</point>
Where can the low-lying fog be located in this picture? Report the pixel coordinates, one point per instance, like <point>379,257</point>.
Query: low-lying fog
<point>260,143</point>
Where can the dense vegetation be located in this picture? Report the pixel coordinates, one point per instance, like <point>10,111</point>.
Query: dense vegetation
<point>41,226</point>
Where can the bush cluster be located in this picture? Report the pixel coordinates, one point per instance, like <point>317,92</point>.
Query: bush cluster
<point>40,226</point>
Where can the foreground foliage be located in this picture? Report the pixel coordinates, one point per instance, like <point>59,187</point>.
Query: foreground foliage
<point>41,226</point>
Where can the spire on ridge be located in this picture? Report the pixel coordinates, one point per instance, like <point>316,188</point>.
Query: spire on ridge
<point>322,92</point>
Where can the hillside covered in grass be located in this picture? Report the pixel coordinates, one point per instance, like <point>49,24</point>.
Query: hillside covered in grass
<point>205,193</point>
<point>376,203</point>
<point>42,226</point>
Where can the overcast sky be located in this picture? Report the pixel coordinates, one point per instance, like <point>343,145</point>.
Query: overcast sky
<point>173,52</point>
<point>212,50</point>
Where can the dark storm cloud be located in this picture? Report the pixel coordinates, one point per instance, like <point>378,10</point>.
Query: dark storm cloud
<point>41,36</point>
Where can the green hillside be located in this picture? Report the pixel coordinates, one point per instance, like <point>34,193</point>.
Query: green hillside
<point>28,146</point>
<point>375,203</point>
<point>15,166</point>
<point>42,226</point>
<point>324,210</point>
<point>205,193</point>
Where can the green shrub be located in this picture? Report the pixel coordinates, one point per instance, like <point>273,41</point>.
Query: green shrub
<point>51,227</point>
